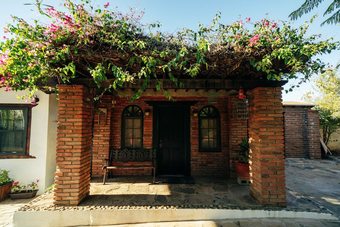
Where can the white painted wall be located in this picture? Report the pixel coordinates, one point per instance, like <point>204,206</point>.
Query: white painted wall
<point>42,142</point>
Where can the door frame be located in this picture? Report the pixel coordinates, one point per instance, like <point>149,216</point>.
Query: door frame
<point>155,129</point>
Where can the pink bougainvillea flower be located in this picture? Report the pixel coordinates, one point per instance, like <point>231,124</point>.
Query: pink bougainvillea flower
<point>265,23</point>
<point>253,40</point>
<point>3,59</point>
<point>274,25</point>
<point>106,4</point>
<point>52,12</point>
<point>51,30</point>
<point>248,19</point>
<point>2,79</point>
<point>8,88</point>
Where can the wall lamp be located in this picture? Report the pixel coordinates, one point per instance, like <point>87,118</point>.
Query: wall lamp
<point>241,93</point>
<point>34,101</point>
<point>147,112</point>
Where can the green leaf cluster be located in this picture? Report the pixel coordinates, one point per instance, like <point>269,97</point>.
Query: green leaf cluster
<point>112,48</point>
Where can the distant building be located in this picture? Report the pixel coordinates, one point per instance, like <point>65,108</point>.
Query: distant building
<point>302,130</point>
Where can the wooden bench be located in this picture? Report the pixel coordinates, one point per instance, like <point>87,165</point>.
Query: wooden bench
<point>131,159</point>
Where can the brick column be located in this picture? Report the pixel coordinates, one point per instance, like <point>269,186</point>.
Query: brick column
<point>72,178</point>
<point>267,164</point>
<point>101,134</point>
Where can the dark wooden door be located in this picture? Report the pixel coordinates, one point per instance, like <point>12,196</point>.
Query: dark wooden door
<point>172,139</point>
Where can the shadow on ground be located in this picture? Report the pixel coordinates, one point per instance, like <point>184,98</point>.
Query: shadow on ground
<point>136,191</point>
<point>314,183</point>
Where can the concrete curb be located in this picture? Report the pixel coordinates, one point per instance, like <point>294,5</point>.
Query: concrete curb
<point>128,216</point>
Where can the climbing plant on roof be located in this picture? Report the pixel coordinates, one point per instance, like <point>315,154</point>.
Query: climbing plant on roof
<point>112,48</point>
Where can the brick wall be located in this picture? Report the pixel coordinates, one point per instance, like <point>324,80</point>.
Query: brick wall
<point>101,134</point>
<point>238,128</point>
<point>202,163</point>
<point>302,137</point>
<point>210,163</point>
<point>74,139</point>
<point>120,103</point>
<point>267,165</point>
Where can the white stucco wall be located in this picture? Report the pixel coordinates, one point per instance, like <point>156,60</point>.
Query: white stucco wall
<point>42,142</point>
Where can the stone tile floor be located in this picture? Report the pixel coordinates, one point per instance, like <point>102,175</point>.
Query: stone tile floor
<point>136,191</point>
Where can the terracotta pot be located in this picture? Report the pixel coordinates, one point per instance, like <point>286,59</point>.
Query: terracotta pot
<point>5,190</point>
<point>23,195</point>
<point>242,170</point>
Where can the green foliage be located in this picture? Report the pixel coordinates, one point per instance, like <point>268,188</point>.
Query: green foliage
<point>4,177</point>
<point>112,48</point>
<point>328,104</point>
<point>328,85</point>
<point>22,188</point>
<point>328,122</point>
<point>244,150</point>
<point>309,5</point>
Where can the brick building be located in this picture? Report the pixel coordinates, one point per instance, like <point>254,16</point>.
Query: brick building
<point>302,131</point>
<point>197,133</point>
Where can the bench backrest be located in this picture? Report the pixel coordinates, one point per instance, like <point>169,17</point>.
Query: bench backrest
<point>132,155</point>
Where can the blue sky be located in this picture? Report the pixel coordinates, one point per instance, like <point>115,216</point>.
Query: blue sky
<point>176,14</point>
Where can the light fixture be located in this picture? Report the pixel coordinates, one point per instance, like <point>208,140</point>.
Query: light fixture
<point>34,101</point>
<point>241,94</point>
<point>147,112</point>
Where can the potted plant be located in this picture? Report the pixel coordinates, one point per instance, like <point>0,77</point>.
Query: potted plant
<point>242,165</point>
<point>27,191</point>
<point>5,184</point>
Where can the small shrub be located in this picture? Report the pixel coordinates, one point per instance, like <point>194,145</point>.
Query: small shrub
<point>18,188</point>
<point>4,177</point>
<point>244,151</point>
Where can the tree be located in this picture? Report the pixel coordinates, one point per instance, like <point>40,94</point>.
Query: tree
<point>328,103</point>
<point>328,122</point>
<point>309,5</point>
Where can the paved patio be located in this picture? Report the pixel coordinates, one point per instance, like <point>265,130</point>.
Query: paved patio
<point>312,185</point>
<point>138,192</point>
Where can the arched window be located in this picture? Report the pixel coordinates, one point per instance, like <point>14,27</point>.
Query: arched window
<point>132,127</point>
<point>209,129</point>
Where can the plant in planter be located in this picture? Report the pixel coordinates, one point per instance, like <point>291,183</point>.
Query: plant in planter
<point>5,184</point>
<point>242,165</point>
<point>27,191</point>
